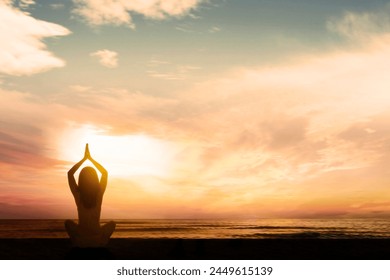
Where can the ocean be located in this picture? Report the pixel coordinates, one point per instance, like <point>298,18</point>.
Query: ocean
<point>209,229</point>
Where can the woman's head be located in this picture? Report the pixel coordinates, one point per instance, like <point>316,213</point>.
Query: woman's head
<point>88,186</point>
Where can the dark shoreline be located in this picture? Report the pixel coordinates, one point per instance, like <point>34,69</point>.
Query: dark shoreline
<point>194,249</point>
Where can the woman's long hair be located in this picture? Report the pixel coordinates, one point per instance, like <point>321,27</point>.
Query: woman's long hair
<point>89,186</point>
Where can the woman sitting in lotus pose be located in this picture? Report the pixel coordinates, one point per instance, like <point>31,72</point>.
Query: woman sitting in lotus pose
<point>88,194</point>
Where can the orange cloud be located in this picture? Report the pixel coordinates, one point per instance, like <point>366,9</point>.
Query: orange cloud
<point>106,58</point>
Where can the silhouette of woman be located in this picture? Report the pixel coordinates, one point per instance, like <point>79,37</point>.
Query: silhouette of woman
<point>88,195</point>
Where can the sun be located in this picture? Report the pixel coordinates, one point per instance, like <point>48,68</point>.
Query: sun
<point>123,156</point>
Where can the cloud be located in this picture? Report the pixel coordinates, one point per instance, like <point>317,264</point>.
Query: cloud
<point>22,51</point>
<point>289,122</point>
<point>23,4</point>
<point>361,26</point>
<point>285,135</point>
<point>23,126</point>
<point>57,6</point>
<point>184,28</point>
<point>266,133</point>
<point>307,135</point>
<point>188,27</point>
<point>263,140</point>
<point>100,12</point>
<point>79,88</point>
<point>106,58</point>
<point>214,29</point>
<point>26,3</point>
<point>166,70</point>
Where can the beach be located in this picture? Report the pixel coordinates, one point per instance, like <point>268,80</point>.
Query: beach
<point>289,239</point>
<point>194,249</point>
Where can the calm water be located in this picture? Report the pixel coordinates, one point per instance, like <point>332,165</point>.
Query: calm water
<point>261,228</point>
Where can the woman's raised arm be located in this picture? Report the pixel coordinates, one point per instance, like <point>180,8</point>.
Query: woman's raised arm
<point>72,171</point>
<point>102,170</point>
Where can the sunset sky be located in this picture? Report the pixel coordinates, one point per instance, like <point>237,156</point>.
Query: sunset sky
<point>197,108</point>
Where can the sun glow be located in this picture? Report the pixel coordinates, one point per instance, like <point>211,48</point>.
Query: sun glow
<point>123,156</point>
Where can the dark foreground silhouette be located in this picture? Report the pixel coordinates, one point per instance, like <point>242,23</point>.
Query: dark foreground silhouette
<point>194,249</point>
<point>88,195</point>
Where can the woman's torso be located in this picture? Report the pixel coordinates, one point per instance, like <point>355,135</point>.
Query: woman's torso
<point>89,217</point>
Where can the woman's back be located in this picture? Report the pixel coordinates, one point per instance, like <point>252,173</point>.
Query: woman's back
<point>89,217</point>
